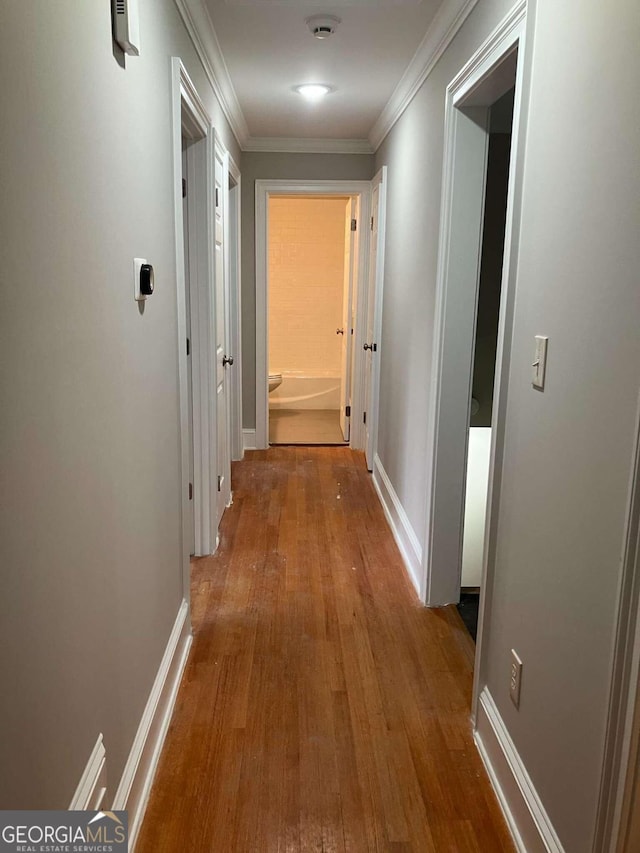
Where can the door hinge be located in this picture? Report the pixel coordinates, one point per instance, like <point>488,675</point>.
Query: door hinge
<point>184,188</point>
<point>347,412</point>
<point>364,417</point>
<point>217,198</point>
<point>354,224</point>
<point>188,347</point>
<point>190,491</point>
<point>372,223</point>
<point>219,483</point>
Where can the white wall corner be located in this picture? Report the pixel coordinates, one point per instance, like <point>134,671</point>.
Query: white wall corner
<point>137,777</point>
<point>92,786</point>
<point>404,534</point>
<point>205,41</point>
<point>249,439</point>
<point>447,21</point>
<point>526,817</point>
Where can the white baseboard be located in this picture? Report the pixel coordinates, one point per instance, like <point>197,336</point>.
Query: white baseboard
<point>249,439</point>
<point>92,786</point>
<point>135,784</point>
<point>403,532</point>
<point>528,821</point>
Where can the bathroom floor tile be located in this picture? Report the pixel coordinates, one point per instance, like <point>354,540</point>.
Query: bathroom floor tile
<point>305,426</point>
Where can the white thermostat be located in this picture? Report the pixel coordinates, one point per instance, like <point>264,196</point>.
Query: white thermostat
<point>126,26</point>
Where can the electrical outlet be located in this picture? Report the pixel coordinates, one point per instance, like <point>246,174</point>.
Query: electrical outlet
<point>515,679</point>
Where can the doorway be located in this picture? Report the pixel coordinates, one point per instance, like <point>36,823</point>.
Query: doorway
<point>484,356</point>
<point>472,96</point>
<point>311,318</point>
<point>347,383</point>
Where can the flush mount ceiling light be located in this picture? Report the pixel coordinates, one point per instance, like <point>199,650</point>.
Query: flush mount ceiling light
<point>322,26</point>
<point>313,91</point>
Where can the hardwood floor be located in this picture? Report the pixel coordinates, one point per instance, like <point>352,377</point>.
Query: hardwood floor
<point>322,708</point>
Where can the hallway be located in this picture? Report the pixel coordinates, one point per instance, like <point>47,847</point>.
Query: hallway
<point>322,708</point>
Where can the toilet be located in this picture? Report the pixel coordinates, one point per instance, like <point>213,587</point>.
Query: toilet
<point>275,380</point>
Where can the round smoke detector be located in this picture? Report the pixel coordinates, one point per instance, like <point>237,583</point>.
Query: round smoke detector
<point>322,26</point>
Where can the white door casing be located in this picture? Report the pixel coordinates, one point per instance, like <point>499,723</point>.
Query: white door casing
<point>222,365</point>
<point>361,192</point>
<point>190,120</point>
<point>348,319</point>
<point>374,314</point>
<point>488,74</point>
<point>232,243</point>
<point>185,222</point>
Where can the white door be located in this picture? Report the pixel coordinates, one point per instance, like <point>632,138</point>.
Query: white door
<point>187,289</point>
<point>346,329</point>
<point>223,359</point>
<point>370,344</point>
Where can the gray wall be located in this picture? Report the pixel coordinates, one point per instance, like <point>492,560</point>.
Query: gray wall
<point>89,533</point>
<point>295,167</point>
<point>568,450</point>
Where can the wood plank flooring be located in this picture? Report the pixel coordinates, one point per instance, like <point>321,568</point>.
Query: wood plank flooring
<point>323,709</point>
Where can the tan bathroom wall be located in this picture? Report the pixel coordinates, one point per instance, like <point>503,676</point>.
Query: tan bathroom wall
<point>306,279</point>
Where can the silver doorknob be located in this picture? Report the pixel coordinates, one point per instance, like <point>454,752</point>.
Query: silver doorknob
<point>227,359</point>
<point>372,347</point>
<point>339,331</point>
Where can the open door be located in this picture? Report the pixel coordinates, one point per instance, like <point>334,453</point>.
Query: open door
<point>373,326</point>
<point>190,521</point>
<point>223,360</point>
<point>346,329</point>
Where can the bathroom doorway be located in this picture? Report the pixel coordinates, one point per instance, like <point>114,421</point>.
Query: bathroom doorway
<point>310,318</point>
<point>500,120</point>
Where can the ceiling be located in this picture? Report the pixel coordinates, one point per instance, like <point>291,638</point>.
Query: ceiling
<point>267,49</point>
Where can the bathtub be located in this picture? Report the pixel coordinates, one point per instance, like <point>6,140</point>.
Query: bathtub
<point>306,392</point>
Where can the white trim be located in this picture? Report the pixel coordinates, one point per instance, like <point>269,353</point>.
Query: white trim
<point>190,115</point>
<point>235,308</point>
<point>443,537</point>
<point>373,414</point>
<point>404,534</point>
<point>499,44</point>
<point>137,777</point>
<point>249,439</point>
<point>623,719</point>
<point>526,817</point>
<point>180,88</point>
<point>307,146</point>
<point>263,190</point>
<point>223,498</point>
<point>447,21</point>
<point>91,788</point>
<point>201,31</point>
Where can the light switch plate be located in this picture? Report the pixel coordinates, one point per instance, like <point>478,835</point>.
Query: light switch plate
<point>515,678</point>
<point>539,365</point>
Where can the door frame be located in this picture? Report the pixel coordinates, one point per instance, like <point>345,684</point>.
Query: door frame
<point>265,189</point>
<point>190,118</point>
<point>622,741</point>
<point>234,270</point>
<point>221,155</point>
<point>486,76</point>
<point>371,451</point>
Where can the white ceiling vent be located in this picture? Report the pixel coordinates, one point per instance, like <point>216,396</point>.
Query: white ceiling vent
<point>322,26</point>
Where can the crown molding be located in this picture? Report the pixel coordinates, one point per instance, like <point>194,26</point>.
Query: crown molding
<point>307,146</point>
<point>205,41</point>
<point>446,23</point>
